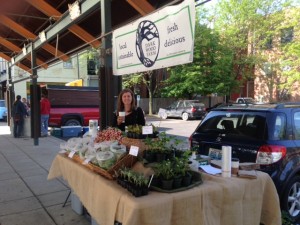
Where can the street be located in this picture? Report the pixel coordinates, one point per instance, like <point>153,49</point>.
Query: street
<point>181,129</point>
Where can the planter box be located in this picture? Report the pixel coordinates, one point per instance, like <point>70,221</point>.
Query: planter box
<point>71,131</point>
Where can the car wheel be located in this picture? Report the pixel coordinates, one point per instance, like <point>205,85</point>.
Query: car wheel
<point>185,116</point>
<point>72,122</point>
<point>164,115</point>
<point>291,198</point>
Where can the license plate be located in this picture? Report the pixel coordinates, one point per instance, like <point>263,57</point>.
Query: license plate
<point>214,153</point>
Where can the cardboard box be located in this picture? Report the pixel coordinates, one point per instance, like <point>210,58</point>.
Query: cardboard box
<point>71,131</point>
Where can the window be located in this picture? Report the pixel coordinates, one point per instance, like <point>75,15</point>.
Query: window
<point>266,42</point>
<point>287,35</point>
<point>297,125</point>
<point>68,64</point>
<point>279,128</point>
<point>91,67</point>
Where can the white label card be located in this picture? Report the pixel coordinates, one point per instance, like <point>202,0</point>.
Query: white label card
<point>86,161</point>
<point>71,154</point>
<point>134,150</point>
<point>147,130</point>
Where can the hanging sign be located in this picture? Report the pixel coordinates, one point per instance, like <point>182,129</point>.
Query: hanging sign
<point>162,39</point>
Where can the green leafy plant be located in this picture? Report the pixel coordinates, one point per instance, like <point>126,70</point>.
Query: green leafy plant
<point>165,170</point>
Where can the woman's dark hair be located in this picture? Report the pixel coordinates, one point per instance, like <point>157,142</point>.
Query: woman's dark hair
<point>120,105</point>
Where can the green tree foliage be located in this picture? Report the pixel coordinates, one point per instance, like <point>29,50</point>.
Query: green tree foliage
<point>210,72</point>
<point>253,29</point>
<point>150,79</point>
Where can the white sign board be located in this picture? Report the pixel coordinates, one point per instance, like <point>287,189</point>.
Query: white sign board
<point>162,39</point>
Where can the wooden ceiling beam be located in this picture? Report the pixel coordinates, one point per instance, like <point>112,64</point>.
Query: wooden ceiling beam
<point>27,34</point>
<point>75,29</point>
<point>142,6</point>
<point>4,56</point>
<point>49,48</point>
<point>22,66</point>
<point>16,48</point>
<point>9,45</point>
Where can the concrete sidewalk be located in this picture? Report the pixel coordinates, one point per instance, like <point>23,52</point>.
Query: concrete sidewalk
<point>26,196</point>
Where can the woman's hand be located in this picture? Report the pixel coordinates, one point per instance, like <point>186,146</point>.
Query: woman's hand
<point>120,119</point>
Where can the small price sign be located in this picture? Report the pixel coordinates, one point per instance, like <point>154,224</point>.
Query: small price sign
<point>71,154</point>
<point>147,130</point>
<point>134,150</point>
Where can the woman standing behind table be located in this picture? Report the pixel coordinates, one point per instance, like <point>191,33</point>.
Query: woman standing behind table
<point>133,115</point>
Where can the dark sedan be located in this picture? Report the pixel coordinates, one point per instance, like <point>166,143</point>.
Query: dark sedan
<point>185,109</point>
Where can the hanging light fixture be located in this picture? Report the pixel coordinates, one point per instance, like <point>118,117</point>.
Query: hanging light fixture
<point>74,10</point>
<point>24,50</point>
<point>42,36</point>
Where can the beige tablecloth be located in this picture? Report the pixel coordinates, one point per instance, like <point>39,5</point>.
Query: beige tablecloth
<point>218,201</point>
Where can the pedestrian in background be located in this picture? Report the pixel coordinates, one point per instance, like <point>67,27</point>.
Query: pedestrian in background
<point>27,106</point>
<point>18,114</point>
<point>45,107</point>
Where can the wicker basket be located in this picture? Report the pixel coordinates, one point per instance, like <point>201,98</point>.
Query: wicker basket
<point>76,158</point>
<point>126,161</point>
<point>135,142</point>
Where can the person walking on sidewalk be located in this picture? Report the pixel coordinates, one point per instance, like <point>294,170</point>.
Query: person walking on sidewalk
<point>18,114</point>
<point>45,112</point>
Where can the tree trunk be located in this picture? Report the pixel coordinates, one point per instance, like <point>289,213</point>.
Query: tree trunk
<point>150,94</point>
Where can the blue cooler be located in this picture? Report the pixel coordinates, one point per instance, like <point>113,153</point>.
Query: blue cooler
<point>71,131</point>
<point>85,129</point>
<point>56,132</point>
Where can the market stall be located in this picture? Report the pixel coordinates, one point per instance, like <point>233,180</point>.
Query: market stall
<point>217,200</point>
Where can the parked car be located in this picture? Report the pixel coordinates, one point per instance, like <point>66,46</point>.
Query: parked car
<point>185,109</point>
<point>266,134</point>
<point>220,104</point>
<point>3,110</point>
<point>245,100</point>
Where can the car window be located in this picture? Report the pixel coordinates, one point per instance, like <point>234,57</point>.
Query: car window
<point>198,104</point>
<point>174,105</point>
<point>247,124</point>
<point>297,125</point>
<point>2,104</point>
<point>278,132</point>
<point>181,104</point>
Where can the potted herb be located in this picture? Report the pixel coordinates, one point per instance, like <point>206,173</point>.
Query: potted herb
<point>166,172</point>
<point>180,167</point>
<point>134,182</point>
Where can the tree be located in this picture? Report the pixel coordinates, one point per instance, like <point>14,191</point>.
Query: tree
<point>210,71</point>
<point>253,30</point>
<point>150,79</point>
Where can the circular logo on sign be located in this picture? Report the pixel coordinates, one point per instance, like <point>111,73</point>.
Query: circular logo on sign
<point>147,43</point>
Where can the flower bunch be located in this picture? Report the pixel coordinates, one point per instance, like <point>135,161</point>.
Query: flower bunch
<point>109,134</point>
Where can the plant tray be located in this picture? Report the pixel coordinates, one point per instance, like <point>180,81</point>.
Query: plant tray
<point>197,180</point>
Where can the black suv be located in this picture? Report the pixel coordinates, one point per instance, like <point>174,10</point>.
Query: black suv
<point>185,109</point>
<point>266,134</point>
